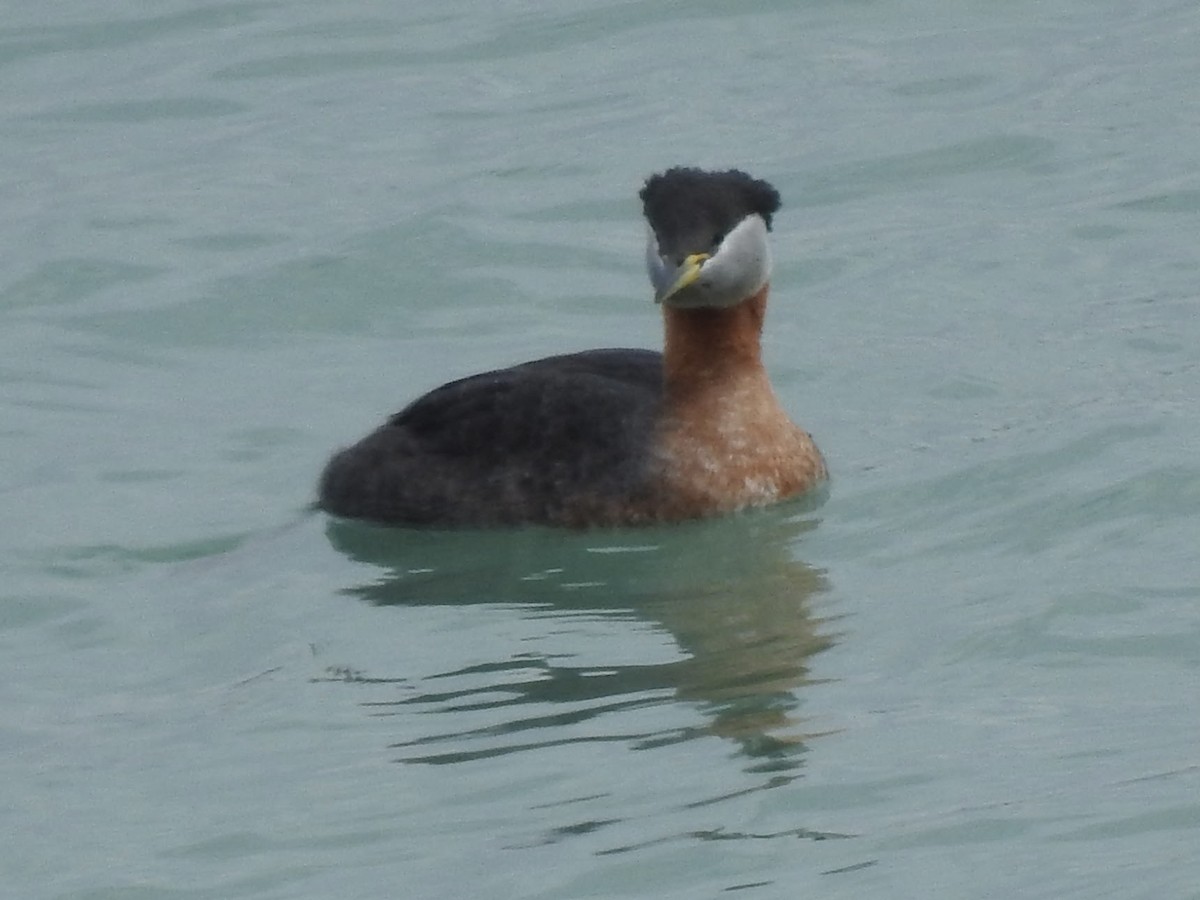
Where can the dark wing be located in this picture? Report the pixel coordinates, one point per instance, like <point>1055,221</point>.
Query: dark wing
<point>537,442</point>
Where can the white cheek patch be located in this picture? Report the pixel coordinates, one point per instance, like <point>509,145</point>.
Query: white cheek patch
<point>741,265</point>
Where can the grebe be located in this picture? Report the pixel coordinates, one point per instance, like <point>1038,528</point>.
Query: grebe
<point>610,437</point>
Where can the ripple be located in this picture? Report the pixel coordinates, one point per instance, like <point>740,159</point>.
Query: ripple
<point>73,278</point>
<point>871,177</point>
<point>950,84</point>
<point>17,43</point>
<point>1181,201</point>
<point>135,111</point>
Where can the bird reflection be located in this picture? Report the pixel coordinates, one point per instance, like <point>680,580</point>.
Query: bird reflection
<point>729,592</point>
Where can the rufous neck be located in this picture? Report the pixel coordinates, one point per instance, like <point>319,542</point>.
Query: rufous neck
<point>706,344</point>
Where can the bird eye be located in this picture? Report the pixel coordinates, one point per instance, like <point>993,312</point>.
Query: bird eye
<point>717,238</point>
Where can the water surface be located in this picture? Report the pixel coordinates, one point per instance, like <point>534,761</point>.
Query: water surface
<point>237,235</point>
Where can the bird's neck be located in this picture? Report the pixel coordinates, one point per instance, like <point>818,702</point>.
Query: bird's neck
<point>724,442</point>
<point>708,349</point>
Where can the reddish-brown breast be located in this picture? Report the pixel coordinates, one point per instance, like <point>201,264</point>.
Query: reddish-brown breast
<point>725,442</point>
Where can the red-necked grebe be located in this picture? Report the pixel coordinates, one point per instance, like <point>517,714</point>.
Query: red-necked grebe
<point>616,436</point>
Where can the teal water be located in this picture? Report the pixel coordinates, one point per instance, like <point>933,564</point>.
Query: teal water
<point>236,235</point>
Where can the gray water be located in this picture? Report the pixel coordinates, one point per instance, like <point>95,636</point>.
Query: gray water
<point>237,235</point>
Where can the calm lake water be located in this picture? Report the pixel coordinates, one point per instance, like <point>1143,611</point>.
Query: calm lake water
<point>236,235</point>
